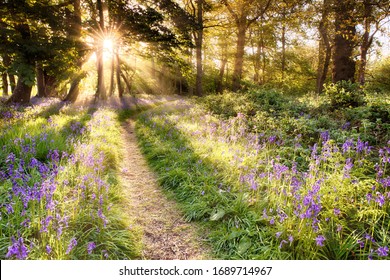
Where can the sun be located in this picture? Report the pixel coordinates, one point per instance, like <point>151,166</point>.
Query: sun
<point>108,44</point>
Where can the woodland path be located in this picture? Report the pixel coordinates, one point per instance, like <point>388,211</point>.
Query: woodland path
<point>165,233</point>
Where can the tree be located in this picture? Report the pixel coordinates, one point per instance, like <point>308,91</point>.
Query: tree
<point>37,43</point>
<point>325,47</point>
<point>75,36</point>
<point>374,14</point>
<point>244,14</point>
<point>345,41</point>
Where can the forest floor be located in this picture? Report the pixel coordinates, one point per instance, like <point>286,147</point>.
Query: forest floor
<point>165,233</point>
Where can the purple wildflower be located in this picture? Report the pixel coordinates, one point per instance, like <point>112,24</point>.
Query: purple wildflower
<point>383,251</point>
<point>320,240</point>
<point>281,243</point>
<point>90,247</point>
<point>72,244</point>
<point>346,126</point>
<point>48,249</point>
<point>347,168</point>
<point>325,136</point>
<point>336,211</point>
<point>45,223</point>
<point>17,249</point>
<point>380,199</point>
<point>347,145</point>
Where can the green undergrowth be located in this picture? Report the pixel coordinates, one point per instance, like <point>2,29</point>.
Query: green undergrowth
<point>60,192</point>
<point>275,178</point>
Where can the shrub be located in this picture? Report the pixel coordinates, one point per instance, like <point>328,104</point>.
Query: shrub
<point>344,94</point>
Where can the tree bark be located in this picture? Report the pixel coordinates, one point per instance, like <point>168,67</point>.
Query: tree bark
<point>118,76</point>
<point>5,75</point>
<point>112,77</point>
<point>219,83</point>
<point>75,36</point>
<point>199,44</point>
<point>239,57</point>
<point>101,89</point>
<point>325,48</point>
<point>74,90</point>
<point>4,78</point>
<point>21,94</point>
<point>283,68</point>
<point>12,81</point>
<point>22,91</point>
<point>345,27</point>
<point>366,41</point>
<point>41,88</point>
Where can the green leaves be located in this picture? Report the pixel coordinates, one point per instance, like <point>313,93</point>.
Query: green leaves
<point>217,214</point>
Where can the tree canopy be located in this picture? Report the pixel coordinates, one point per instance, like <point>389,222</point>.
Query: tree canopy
<point>191,44</point>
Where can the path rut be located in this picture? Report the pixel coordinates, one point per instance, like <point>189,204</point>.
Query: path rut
<point>166,235</point>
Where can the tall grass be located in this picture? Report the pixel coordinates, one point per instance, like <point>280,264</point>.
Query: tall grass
<point>268,189</point>
<point>60,196</point>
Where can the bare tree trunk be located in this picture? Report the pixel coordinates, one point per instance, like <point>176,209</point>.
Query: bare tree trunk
<point>4,78</point>
<point>12,81</point>
<point>118,76</point>
<point>345,24</point>
<point>22,91</point>
<point>112,77</point>
<point>21,94</point>
<point>283,68</point>
<point>101,89</point>
<point>219,83</point>
<point>239,58</point>
<point>75,36</point>
<point>7,63</point>
<point>199,43</point>
<point>153,68</point>
<point>41,88</point>
<point>366,42</point>
<point>74,90</point>
<point>325,48</point>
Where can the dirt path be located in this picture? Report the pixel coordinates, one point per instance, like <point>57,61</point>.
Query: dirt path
<point>166,235</point>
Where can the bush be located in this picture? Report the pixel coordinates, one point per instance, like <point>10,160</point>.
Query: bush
<point>345,94</point>
<point>379,78</point>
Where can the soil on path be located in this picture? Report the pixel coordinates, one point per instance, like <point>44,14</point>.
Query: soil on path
<point>166,235</point>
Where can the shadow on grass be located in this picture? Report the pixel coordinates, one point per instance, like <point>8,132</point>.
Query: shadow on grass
<point>235,230</point>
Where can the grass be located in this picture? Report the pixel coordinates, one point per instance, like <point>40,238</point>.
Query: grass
<point>60,193</point>
<point>273,178</point>
<point>267,176</point>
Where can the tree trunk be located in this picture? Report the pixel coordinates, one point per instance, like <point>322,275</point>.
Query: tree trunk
<point>219,83</point>
<point>74,90</point>
<point>4,78</point>
<point>112,77</point>
<point>4,75</point>
<point>75,37</point>
<point>41,88</point>
<point>366,42</point>
<point>198,44</point>
<point>12,81</point>
<point>239,58</point>
<point>101,89</point>
<point>21,94</point>
<point>345,26</point>
<point>50,85</point>
<point>118,76</point>
<point>283,68</point>
<point>325,48</point>
<point>22,91</point>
